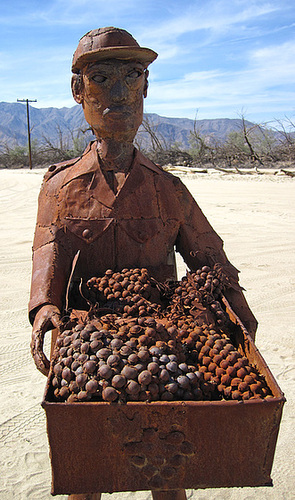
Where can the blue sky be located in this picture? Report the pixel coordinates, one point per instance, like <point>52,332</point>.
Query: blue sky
<point>217,59</point>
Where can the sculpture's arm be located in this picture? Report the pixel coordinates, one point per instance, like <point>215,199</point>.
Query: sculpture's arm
<point>50,272</point>
<point>200,245</point>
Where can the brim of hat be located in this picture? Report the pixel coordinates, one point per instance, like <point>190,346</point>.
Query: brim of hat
<point>141,54</point>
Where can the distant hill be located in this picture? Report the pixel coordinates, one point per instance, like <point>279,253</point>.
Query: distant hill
<point>45,122</point>
<point>57,124</point>
<point>177,130</point>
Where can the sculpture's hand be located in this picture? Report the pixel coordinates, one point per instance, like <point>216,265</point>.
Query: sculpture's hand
<point>47,317</point>
<point>251,325</point>
<point>240,306</point>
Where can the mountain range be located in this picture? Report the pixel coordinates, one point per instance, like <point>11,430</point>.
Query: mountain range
<point>66,124</point>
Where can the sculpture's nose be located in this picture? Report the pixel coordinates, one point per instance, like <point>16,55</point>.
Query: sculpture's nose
<point>119,91</point>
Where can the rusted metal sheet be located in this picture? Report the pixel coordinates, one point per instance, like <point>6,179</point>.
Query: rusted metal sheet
<point>138,227</point>
<point>104,447</point>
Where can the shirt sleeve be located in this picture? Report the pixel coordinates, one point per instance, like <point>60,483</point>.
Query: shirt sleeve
<point>51,255</point>
<point>200,245</point>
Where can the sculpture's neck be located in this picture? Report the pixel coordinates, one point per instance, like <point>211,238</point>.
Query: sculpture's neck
<point>115,155</point>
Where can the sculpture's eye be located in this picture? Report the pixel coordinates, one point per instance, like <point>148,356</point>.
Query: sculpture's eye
<point>136,73</point>
<point>98,78</point>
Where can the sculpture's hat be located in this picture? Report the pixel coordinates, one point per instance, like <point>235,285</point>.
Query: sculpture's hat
<point>110,43</point>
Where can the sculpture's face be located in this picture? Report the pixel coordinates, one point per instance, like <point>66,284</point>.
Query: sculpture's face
<point>112,97</point>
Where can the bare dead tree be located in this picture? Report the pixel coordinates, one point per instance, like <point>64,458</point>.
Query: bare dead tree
<point>68,144</point>
<point>247,133</point>
<point>200,148</point>
<point>158,142</point>
<point>159,149</point>
<point>285,130</point>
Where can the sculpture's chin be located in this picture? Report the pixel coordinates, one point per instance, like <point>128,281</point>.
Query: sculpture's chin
<point>117,126</point>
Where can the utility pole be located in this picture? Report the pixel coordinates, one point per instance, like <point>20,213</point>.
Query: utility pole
<point>29,130</point>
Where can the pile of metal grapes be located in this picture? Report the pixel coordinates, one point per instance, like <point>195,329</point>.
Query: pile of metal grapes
<point>154,342</point>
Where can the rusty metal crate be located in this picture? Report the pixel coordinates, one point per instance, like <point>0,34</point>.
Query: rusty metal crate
<point>97,446</point>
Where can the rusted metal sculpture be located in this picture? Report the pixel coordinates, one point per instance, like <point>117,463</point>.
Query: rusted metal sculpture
<point>112,207</point>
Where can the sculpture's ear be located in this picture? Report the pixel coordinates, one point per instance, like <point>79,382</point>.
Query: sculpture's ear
<point>146,83</point>
<point>77,88</point>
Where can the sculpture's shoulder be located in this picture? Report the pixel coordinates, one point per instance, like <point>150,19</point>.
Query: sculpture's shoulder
<point>157,169</point>
<point>57,171</point>
<point>59,168</point>
<point>164,175</point>
<point>143,161</point>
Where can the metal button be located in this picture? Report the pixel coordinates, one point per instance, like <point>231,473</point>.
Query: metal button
<point>87,234</point>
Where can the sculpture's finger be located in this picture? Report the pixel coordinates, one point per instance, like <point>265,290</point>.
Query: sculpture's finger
<point>41,361</point>
<point>55,319</point>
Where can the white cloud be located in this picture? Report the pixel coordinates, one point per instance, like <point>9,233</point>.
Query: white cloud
<point>198,76</point>
<point>266,80</point>
<point>276,63</point>
<point>215,17</point>
<point>67,13</point>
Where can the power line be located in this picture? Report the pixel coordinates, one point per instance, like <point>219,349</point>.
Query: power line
<point>29,130</point>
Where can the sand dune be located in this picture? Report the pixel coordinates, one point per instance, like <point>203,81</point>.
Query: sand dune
<point>255,217</point>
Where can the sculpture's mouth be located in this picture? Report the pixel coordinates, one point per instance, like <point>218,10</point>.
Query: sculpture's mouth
<point>117,110</point>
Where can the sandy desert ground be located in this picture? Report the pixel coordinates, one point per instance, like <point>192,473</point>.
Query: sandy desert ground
<point>254,214</point>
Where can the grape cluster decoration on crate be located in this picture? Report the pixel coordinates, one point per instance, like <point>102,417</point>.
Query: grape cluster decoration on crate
<point>153,343</point>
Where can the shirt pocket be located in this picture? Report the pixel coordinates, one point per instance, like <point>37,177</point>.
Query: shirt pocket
<point>141,230</point>
<point>87,230</point>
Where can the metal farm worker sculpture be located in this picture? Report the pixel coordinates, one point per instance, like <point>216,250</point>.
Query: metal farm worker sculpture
<point>113,205</point>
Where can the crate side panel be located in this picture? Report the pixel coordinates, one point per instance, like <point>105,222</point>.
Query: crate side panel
<point>148,446</point>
